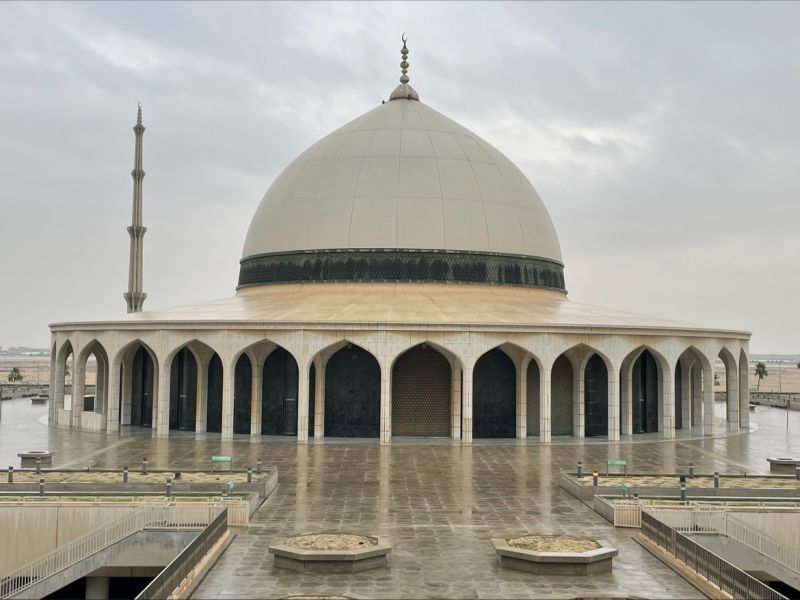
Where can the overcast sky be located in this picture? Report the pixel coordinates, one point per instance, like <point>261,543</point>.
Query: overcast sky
<point>664,140</point>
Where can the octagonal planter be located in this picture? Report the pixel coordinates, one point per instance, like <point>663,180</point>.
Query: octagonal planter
<point>597,560</point>
<point>353,560</point>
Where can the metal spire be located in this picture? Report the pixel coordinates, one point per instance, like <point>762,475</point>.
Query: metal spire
<point>134,297</point>
<point>404,90</point>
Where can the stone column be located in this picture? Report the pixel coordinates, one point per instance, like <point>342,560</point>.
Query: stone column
<point>256,387</point>
<point>113,403</point>
<point>744,393</point>
<point>126,401</point>
<point>58,390</point>
<point>319,398</point>
<point>667,403</point>
<point>386,404</point>
<point>78,390</point>
<point>732,396</point>
<point>708,400</point>
<point>455,402</point>
<point>626,397</point>
<point>545,390</point>
<point>578,404</point>
<point>51,409</point>
<point>522,398</point>
<point>466,406</point>
<point>201,407</point>
<point>697,394</point>
<point>162,400</point>
<point>302,407</point>
<point>613,405</point>
<point>228,382</point>
<point>686,395</point>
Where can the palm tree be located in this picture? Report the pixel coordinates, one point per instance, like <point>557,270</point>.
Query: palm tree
<point>15,375</point>
<point>761,372</point>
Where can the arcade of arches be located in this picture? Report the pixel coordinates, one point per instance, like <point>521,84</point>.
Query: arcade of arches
<point>425,391</point>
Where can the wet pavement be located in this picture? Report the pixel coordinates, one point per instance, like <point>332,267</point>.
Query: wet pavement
<point>437,503</point>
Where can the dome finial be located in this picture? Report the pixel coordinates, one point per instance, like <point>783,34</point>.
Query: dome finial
<point>404,63</point>
<point>404,90</point>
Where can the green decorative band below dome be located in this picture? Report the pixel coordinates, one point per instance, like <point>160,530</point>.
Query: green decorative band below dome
<point>377,265</point>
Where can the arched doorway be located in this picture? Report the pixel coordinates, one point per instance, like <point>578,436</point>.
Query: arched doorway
<point>595,387</point>
<point>421,394</point>
<point>214,397</point>
<point>142,388</point>
<point>352,394</point>
<point>645,394</point>
<point>532,413</point>
<point>494,396</point>
<point>561,387</point>
<point>279,394</point>
<point>183,391</point>
<point>242,392</point>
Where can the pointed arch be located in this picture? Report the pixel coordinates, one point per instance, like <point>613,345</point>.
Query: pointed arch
<point>138,367</point>
<point>95,402</point>
<point>595,397</point>
<point>494,395</point>
<point>242,393</point>
<point>562,383</point>
<point>63,391</point>
<point>533,397</point>
<point>214,395</point>
<point>352,393</point>
<point>731,381</point>
<point>279,381</point>
<point>422,393</point>
<point>744,391</point>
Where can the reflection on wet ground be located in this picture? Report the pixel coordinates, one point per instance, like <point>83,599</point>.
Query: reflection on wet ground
<point>437,503</point>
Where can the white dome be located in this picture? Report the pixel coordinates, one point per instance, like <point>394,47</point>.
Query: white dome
<point>402,176</point>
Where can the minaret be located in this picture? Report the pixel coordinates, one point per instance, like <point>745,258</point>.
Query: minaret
<point>135,296</point>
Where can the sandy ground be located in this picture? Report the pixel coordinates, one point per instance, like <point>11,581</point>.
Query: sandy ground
<point>553,543</point>
<point>38,370</point>
<point>695,482</point>
<point>329,541</point>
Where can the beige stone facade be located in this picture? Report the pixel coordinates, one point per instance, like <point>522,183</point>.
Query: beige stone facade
<point>536,333</point>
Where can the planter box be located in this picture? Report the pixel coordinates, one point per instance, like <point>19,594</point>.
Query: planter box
<point>787,466</point>
<point>28,459</point>
<point>555,563</point>
<point>331,561</point>
<point>570,484</point>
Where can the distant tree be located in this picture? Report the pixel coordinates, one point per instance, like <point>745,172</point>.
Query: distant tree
<point>15,376</point>
<point>761,372</point>
<point>798,365</point>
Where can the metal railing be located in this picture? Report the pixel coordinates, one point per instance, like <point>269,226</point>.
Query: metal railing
<point>766,545</point>
<point>172,517</point>
<point>715,569</point>
<point>709,520</point>
<point>165,583</point>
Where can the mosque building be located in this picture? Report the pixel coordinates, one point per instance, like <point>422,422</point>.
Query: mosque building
<point>400,278</point>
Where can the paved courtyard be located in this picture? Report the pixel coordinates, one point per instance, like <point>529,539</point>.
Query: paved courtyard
<point>437,503</point>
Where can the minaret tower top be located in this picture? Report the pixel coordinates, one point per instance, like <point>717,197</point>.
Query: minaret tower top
<point>134,297</point>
